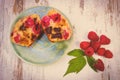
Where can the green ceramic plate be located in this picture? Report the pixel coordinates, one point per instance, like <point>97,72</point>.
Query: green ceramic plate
<point>42,51</point>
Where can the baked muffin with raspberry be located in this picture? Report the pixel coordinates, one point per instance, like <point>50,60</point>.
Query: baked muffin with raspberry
<point>26,30</point>
<point>56,26</point>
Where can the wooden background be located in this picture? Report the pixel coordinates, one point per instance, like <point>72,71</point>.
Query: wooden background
<point>102,16</point>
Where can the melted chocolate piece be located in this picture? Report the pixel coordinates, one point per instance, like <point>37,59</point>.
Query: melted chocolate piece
<point>22,27</point>
<point>57,35</point>
<point>37,27</point>
<point>35,19</point>
<point>48,30</point>
<point>12,34</point>
<point>33,37</point>
<point>28,36</point>
<point>57,29</point>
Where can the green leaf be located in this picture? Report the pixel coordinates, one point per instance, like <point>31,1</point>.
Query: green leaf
<point>76,65</point>
<point>91,62</point>
<point>76,53</point>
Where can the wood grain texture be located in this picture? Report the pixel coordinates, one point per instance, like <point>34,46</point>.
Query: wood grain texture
<point>36,1</point>
<point>102,16</point>
<point>18,71</point>
<point>18,6</point>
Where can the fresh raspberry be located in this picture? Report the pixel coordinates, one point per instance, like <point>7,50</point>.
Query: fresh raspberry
<point>93,36</point>
<point>84,45</point>
<point>99,65</point>
<point>45,21</point>
<point>101,51</point>
<point>95,45</point>
<point>89,51</point>
<point>29,22</point>
<point>17,38</point>
<point>108,54</point>
<point>104,40</point>
<point>66,34</point>
<point>56,17</point>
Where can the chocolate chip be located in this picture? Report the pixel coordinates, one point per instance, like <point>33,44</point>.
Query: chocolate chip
<point>61,25</point>
<point>57,35</point>
<point>37,27</point>
<point>48,30</point>
<point>28,36</point>
<point>35,19</point>
<point>12,34</point>
<point>22,27</point>
<point>33,37</point>
<point>57,29</point>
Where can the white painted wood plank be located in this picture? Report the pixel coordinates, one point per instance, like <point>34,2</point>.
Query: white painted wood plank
<point>102,16</point>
